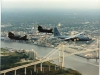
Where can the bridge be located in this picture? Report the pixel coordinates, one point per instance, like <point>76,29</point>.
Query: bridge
<point>61,49</point>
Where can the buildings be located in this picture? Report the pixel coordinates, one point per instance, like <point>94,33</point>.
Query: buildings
<point>32,54</point>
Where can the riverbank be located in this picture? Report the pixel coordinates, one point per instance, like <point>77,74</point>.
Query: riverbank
<point>89,55</point>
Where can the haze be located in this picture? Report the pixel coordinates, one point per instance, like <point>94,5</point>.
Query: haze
<point>50,4</point>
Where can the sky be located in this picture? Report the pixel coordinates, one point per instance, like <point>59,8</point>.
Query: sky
<point>50,4</point>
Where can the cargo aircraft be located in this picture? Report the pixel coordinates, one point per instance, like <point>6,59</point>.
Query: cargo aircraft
<point>14,37</point>
<point>40,29</point>
<point>77,37</point>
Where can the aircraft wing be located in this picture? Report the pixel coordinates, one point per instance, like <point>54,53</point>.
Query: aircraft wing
<point>74,36</point>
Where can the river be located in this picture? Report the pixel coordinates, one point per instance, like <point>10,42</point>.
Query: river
<point>42,51</point>
<point>80,64</point>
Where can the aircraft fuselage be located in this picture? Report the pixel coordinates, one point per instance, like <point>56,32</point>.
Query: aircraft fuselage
<point>78,38</point>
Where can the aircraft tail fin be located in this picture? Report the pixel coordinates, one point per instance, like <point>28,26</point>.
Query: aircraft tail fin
<point>56,32</point>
